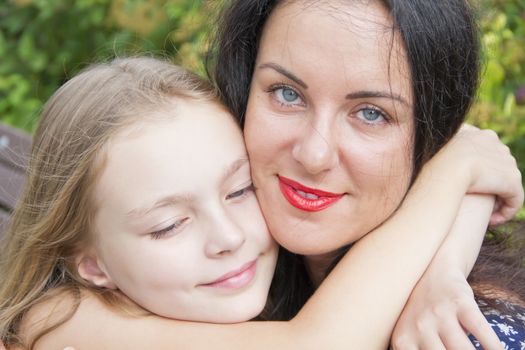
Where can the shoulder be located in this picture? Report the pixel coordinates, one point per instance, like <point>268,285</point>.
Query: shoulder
<point>92,323</point>
<point>50,310</point>
<point>62,316</point>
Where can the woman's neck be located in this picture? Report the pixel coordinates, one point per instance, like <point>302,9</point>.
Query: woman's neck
<point>318,266</point>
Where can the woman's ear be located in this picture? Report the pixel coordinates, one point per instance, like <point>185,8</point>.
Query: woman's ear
<point>90,269</point>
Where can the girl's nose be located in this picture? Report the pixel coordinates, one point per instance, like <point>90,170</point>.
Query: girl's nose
<point>224,236</point>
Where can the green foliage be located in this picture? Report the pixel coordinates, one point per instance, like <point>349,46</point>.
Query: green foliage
<point>43,42</point>
<point>501,100</point>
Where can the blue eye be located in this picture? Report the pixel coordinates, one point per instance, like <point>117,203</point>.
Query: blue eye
<point>240,193</point>
<point>371,115</point>
<point>161,233</point>
<point>287,96</point>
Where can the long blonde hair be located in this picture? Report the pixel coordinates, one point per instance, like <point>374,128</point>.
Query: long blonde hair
<point>54,215</point>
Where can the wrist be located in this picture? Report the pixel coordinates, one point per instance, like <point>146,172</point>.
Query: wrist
<point>448,265</point>
<point>443,274</point>
<point>446,166</point>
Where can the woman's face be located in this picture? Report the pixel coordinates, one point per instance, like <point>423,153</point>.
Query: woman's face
<point>329,123</point>
<point>178,227</point>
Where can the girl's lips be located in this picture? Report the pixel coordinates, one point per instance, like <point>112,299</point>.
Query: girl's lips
<point>235,279</point>
<point>306,198</point>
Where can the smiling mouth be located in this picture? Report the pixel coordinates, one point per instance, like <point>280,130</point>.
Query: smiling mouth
<point>235,279</point>
<point>306,198</point>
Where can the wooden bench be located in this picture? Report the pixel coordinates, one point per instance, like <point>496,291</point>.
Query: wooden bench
<point>15,147</point>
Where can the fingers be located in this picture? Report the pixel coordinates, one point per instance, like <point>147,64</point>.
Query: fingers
<point>507,207</point>
<point>454,337</point>
<point>432,331</point>
<point>403,343</point>
<point>429,332</point>
<point>432,342</point>
<point>476,324</point>
<point>466,127</point>
<point>444,324</point>
<point>496,171</point>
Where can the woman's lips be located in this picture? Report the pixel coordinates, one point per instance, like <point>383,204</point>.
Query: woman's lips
<point>237,278</point>
<point>306,198</point>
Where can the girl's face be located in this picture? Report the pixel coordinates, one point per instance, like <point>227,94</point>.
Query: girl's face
<point>178,227</point>
<point>329,123</point>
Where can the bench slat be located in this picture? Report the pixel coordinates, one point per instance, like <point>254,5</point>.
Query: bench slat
<point>4,217</point>
<point>15,147</point>
<point>11,183</point>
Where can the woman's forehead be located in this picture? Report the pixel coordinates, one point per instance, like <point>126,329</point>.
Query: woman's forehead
<point>354,46</point>
<point>367,21</point>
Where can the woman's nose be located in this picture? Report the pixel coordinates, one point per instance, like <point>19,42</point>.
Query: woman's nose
<point>316,148</point>
<point>224,235</point>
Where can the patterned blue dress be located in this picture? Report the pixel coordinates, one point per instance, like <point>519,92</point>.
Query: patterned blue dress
<point>508,325</point>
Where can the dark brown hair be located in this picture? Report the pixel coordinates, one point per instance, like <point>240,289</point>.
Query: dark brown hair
<point>441,43</point>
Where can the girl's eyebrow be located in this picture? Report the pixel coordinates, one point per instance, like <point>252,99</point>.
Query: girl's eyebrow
<point>174,199</point>
<point>168,200</point>
<point>233,168</point>
<point>284,72</point>
<point>376,94</point>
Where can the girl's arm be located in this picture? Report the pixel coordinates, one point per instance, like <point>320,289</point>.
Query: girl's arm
<point>359,302</point>
<point>441,307</point>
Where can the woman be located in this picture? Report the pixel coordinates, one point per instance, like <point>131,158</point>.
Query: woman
<point>347,295</point>
<point>308,90</point>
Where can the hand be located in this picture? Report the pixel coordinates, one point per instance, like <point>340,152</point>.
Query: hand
<point>490,169</point>
<point>439,312</point>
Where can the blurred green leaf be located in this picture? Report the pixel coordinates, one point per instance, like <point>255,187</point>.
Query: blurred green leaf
<point>45,42</point>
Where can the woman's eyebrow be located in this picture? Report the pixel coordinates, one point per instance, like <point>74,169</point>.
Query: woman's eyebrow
<point>350,96</point>
<point>377,94</point>
<point>284,72</point>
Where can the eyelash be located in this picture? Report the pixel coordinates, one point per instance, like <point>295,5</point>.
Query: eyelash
<point>383,114</point>
<point>234,195</point>
<point>272,90</point>
<point>242,192</point>
<point>161,233</point>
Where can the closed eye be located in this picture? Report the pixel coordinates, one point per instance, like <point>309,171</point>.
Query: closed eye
<point>242,192</point>
<point>163,232</point>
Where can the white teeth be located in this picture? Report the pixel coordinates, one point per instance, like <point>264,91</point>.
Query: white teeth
<point>307,195</point>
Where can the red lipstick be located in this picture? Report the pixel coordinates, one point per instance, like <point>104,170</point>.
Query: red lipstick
<point>306,198</point>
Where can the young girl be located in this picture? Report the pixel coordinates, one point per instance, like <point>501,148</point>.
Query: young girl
<point>139,184</point>
<point>139,188</point>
